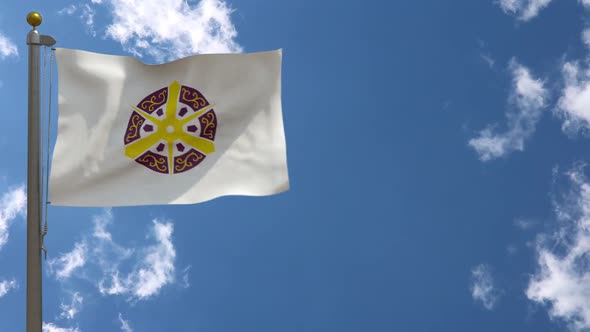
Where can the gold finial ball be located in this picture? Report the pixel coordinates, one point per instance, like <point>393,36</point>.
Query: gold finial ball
<point>34,19</point>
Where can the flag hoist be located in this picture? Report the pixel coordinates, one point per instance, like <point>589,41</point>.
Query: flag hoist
<point>34,185</point>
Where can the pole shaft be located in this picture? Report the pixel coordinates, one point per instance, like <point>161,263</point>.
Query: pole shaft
<point>34,287</point>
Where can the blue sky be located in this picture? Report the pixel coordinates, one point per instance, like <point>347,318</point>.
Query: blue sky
<point>437,154</point>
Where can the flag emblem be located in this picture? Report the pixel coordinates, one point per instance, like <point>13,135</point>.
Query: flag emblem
<point>171,130</point>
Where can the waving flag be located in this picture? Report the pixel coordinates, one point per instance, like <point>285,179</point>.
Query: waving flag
<point>176,133</point>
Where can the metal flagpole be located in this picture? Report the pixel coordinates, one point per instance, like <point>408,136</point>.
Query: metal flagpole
<point>34,313</point>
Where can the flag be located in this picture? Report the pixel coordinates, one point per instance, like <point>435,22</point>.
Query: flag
<point>182,132</point>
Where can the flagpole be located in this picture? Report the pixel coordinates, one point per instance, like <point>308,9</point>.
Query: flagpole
<point>34,290</point>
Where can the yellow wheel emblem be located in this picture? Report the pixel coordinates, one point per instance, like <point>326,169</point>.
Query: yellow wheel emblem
<point>171,130</point>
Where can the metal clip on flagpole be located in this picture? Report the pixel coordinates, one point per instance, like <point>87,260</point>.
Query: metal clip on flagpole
<point>34,291</point>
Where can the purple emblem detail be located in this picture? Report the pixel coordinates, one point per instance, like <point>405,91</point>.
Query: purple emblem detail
<point>187,161</point>
<point>192,128</point>
<point>154,161</point>
<point>208,125</point>
<point>160,147</point>
<point>159,112</point>
<point>148,128</point>
<point>133,133</point>
<point>154,100</point>
<point>182,111</point>
<point>192,97</point>
<point>180,147</point>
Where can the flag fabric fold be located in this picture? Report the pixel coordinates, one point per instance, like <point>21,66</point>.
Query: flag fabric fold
<point>182,132</point>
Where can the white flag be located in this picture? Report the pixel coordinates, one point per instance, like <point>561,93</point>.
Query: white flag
<point>176,133</point>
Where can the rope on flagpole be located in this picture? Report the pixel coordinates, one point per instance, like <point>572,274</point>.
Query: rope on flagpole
<point>46,166</point>
<point>42,144</point>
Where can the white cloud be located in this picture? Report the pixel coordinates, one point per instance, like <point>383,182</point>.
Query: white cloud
<point>64,265</point>
<point>69,311</point>
<point>155,270</point>
<point>100,249</point>
<point>488,60</point>
<point>87,16</point>
<point>12,204</point>
<point>170,29</point>
<point>574,104</point>
<point>511,249</point>
<point>6,286</point>
<point>586,37</point>
<point>528,97</point>
<point>525,224</point>
<point>115,287</point>
<point>100,226</point>
<point>50,327</point>
<point>562,281</point>
<point>524,10</point>
<point>69,10</point>
<point>84,12</point>
<point>185,277</point>
<point>158,266</point>
<point>154,267</point>
<point>125,327</point>
<point>482,286</point>
<point>7,47</point>
<point>106,253</point>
